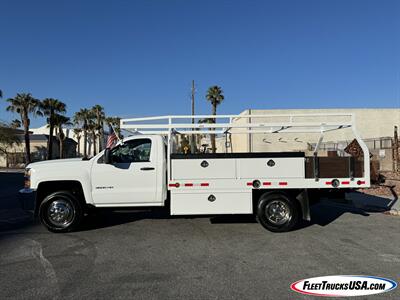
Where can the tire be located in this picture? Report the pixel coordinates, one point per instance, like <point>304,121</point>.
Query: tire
<point>61,212</point>
<point>278,212</point>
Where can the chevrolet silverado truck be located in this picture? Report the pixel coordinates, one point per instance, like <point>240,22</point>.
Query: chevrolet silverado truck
<point>147,170</point>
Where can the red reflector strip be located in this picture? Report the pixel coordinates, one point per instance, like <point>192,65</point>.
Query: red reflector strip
<point>360,182</point>
<point>345,182</point>
<point>249,183</point>
<point>188,184</point>
<point>204,184</point>
<point>283,183</point>
<point>328,182</point>
<point>267,183</point>
<point>172,185</point>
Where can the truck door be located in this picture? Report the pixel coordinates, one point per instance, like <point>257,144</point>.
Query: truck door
<point>131,178</point>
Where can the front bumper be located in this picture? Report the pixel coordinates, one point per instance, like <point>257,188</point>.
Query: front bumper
<point>27,199</point>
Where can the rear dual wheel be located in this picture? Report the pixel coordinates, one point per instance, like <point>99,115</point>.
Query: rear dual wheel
<point>278,212</point>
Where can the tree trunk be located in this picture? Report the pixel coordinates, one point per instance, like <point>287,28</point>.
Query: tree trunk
<point>101,138</point>
<point>94,142</point>
<point>51,133</point>
<point>61,148</point>
<point>214,112</point>
<point>84,143</point>
<point>27,141</point>
<point>79,146</point>
<point>50,142</point>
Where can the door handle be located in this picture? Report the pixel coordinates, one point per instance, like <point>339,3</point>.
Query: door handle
<point>147,169</point>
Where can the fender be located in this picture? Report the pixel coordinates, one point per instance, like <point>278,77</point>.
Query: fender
<point>63,170</point>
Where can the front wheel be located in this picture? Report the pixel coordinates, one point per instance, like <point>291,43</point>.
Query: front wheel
<point>278,212</point>
<point>60,212</point>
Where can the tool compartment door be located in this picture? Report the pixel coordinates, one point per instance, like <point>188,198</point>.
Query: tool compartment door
<point>211,203</point>
<point>280,167</point>
<point>203,168</point>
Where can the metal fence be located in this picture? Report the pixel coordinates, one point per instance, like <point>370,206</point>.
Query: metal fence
<point>372,144</point>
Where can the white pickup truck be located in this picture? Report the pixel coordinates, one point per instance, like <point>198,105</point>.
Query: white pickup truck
<point>143,171</point>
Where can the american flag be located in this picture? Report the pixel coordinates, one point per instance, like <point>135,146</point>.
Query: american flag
<point>112,139</point>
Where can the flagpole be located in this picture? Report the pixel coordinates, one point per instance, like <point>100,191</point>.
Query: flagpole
<point>116,133</point>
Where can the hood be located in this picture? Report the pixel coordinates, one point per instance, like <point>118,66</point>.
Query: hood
<point>56,161</point>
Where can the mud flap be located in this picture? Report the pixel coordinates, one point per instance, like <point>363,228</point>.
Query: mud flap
<point>305,204</point>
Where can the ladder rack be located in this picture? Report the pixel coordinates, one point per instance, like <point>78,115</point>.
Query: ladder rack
<point>170,126</point>
<point>165,125</point>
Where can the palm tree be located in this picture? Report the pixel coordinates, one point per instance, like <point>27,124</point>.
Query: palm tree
<point>24,105</point>
<point>215,96</point>
<point>59,122</point>
<point>92,129</point>
<point>15,124</point>
<point>82,118</point>
<point>100,116</point>
<point>114,122</point>
<point>50,108</point>
<point>77,132</point>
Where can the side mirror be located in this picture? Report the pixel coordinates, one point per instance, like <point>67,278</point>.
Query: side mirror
<point>107,156</point>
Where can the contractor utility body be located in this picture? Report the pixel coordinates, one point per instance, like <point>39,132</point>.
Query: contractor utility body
<point>145,170</point>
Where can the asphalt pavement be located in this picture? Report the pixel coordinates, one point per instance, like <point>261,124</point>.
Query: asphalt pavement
<point>151,255</point>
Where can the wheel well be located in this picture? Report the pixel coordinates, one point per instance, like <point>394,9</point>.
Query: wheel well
<point>48,187</point>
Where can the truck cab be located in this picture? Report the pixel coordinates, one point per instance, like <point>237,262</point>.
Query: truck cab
<point>133,173</point>
<point>62,191</point>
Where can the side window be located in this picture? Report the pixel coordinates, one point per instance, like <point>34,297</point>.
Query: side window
<point>132,151</point>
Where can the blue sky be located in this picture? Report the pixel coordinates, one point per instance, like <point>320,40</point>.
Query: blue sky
<point>137,58</point>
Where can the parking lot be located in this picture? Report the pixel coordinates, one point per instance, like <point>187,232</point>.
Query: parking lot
<point>148,254</point>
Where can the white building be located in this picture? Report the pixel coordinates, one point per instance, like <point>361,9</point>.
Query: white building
<point>69,133</point>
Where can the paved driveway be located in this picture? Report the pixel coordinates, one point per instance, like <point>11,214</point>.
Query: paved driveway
<point>151,255</point>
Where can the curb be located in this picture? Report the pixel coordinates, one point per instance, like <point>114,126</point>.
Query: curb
<point>12,170</point>
<point>393,212</point>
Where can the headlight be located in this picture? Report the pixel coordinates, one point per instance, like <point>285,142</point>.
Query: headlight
<point>27,178</point>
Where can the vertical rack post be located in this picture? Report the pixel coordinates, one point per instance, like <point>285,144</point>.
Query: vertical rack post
<point>367,173</point>
<point>169,149</point>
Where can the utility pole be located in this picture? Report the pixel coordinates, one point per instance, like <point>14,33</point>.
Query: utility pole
<point>192,137</point>
<point>396,167</point>
<point>192,101</point>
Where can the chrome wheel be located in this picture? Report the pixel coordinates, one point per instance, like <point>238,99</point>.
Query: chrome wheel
<point>61,213</point>
<point>277,212</point>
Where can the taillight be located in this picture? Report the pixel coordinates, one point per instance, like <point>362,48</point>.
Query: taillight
<point>27,179</point>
